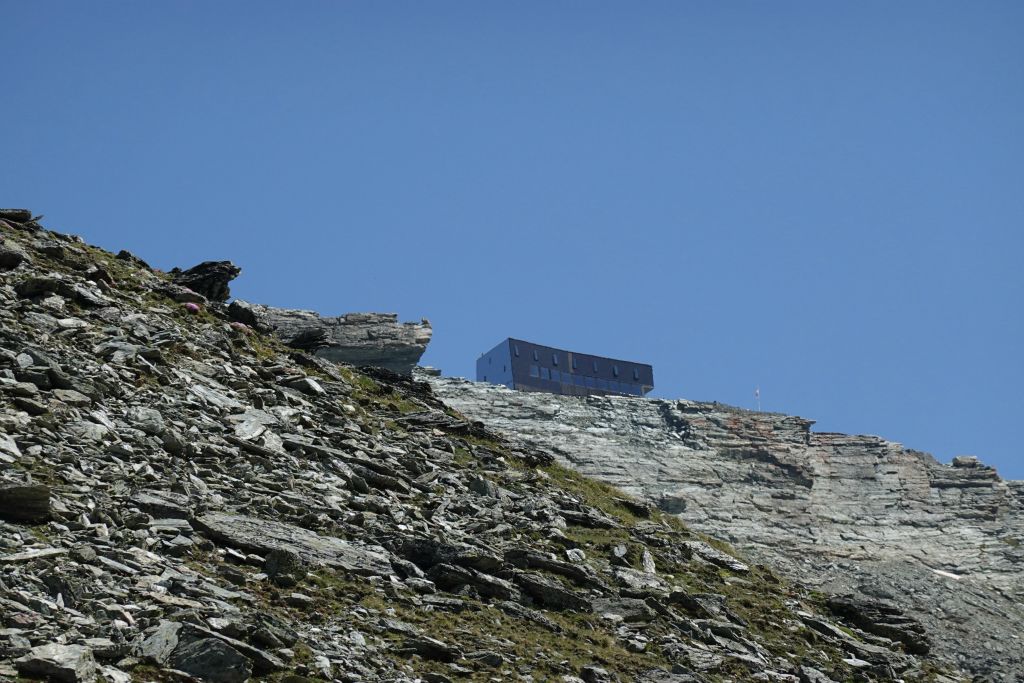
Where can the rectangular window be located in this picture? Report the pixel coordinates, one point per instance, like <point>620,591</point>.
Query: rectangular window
<point>554,359</point>
<point>515,350</point>
<point>590,382</point>
<point>534,371</point>
<point>595,366</point>
<point>578,379</point>
<point>536,356</point>
<point>615,370</point>
<point>545,373</point>
<point>556,376</point>
<point>636,374</point>
<point>575,363</point>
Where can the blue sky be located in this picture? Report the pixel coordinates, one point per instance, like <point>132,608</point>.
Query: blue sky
<point>825,200</point>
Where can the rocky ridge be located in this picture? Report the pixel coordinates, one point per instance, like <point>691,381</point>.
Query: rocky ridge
<point>851,515</point>
<point>185,498</point>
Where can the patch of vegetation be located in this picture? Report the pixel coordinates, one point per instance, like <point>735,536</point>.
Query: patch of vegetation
<point>371,393</point>
<point>592,492</point>
<point>486,442</point>
<point>579,642</point>
<point>146,673</point>
<point>597,538</point>
<point>261,346</point>
<point>463,458</point>
<point>42,533</point>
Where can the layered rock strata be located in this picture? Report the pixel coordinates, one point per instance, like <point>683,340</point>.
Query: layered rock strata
<point>361,339</point>
<point>846,514</point>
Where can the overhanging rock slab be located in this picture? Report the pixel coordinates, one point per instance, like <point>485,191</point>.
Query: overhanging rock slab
<point>373,339</point>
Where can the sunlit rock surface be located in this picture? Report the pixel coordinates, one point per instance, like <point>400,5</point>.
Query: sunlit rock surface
<point>835,511</point>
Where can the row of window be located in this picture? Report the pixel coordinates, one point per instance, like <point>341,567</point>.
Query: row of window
<point>583,381</point>
<point>576,363</point>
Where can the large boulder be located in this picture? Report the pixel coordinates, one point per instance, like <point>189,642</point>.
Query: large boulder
<point>362,339</point>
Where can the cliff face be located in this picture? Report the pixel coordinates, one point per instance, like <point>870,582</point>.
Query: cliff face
<point>841,513</point>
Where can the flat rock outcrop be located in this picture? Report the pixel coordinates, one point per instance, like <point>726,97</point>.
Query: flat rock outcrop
<point>360,339</point>
<point>855,515</point>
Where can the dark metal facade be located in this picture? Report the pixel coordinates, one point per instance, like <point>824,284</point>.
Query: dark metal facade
<point>526,366</point>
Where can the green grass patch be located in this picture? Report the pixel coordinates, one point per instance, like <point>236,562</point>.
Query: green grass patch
<point>591,492</point>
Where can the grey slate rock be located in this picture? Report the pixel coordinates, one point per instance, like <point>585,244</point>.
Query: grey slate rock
<point>262,662</point>
<point>451,577</point>
<point>62,663</point>
<point>716,557</point>
<point>552,594</point>
<point>484,487</point>
<point>85,554</point>
<point>9,451</point>
<point>163,503</point>
<point>626,609</point>
<point>284,567</point>
<point>808,674</point>
<point>24,502</point>
<point>263,536</point>
<point>305,385</point>
<point>147,419</point>
<point>161,643</point>
<point>431,648</point>
<point>595,674</point>
<point>213,660</point>
<point>10,258</point>
<point>883,619</point>
<point>371,339</point>
<point>247,314</point>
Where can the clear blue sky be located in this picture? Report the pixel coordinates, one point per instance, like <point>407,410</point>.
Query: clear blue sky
<point>823,199</point>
